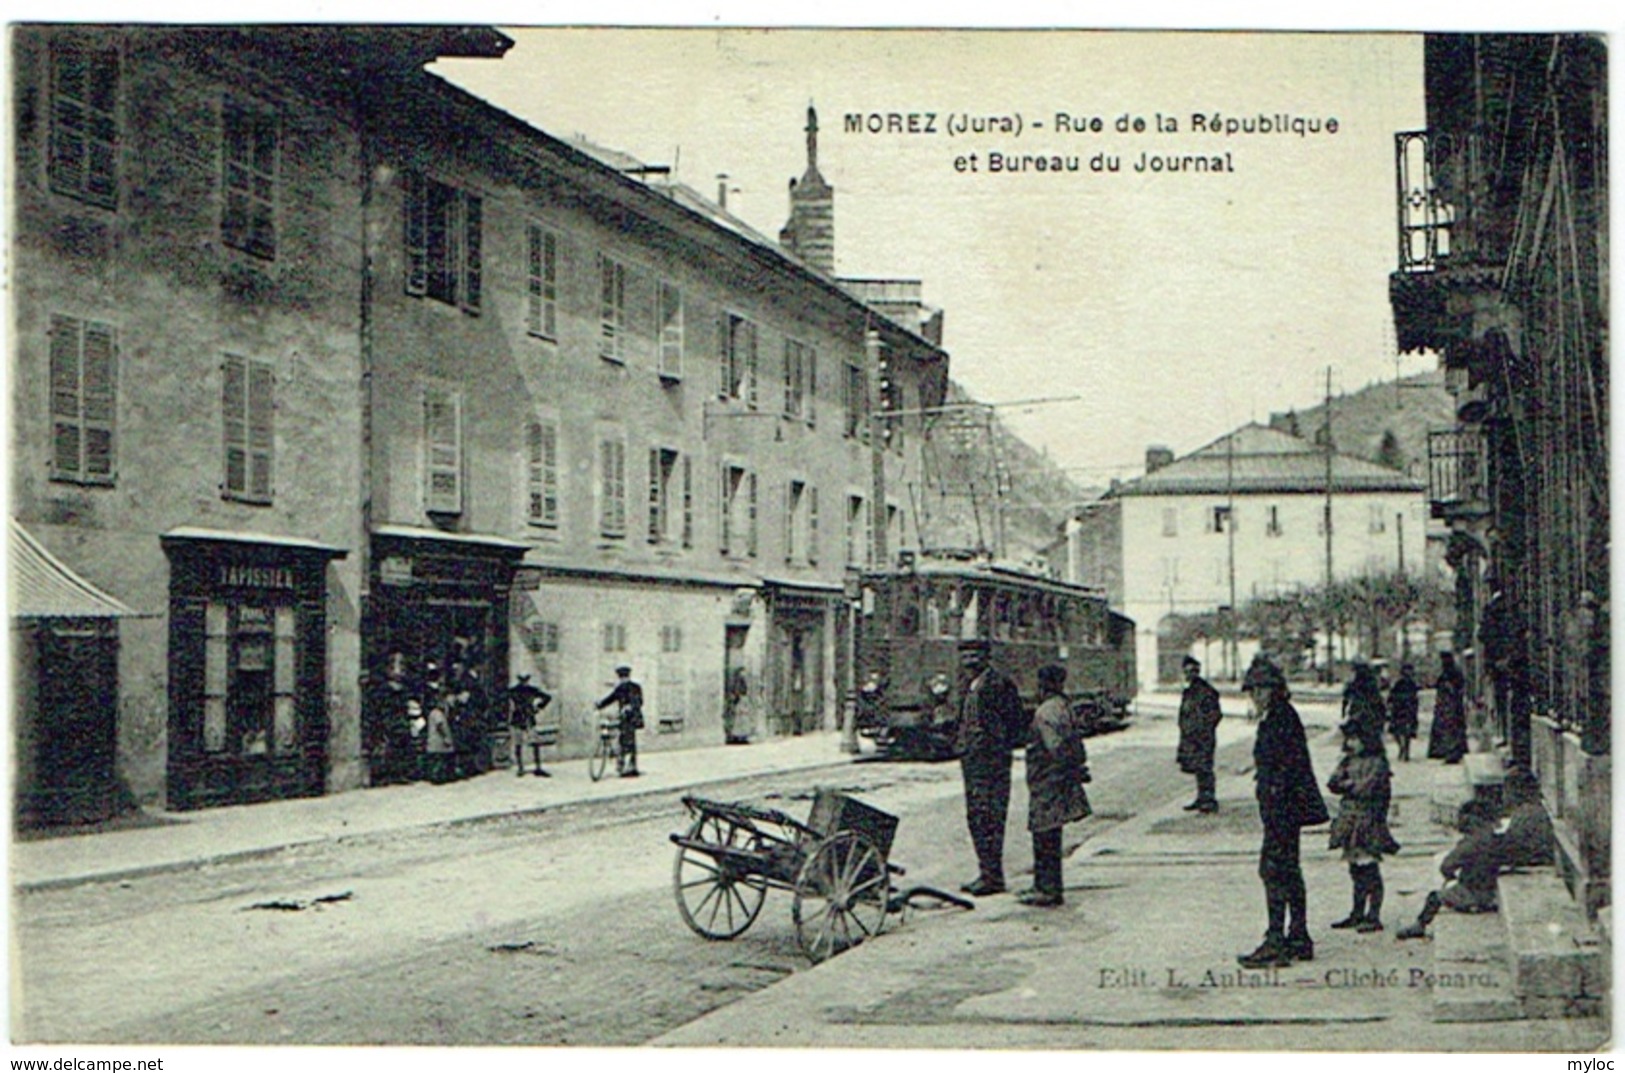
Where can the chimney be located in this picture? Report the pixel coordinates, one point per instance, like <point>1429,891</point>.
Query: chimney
<point>722,190</point>
<point>1156,457</point>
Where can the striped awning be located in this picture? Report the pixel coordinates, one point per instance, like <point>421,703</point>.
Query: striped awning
<point>43,586</point>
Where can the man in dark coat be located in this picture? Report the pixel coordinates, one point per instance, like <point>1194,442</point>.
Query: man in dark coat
<point>1404,702</point>
<point>1447,740</point>
<point>628,697</point>
<point>1288,801</point>
<point>992,725</point>
<point>1198,728</point>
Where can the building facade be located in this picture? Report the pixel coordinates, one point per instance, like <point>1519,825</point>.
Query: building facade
<point>325,379</point>
<point>1503,254</point>
<point>1241,518</point>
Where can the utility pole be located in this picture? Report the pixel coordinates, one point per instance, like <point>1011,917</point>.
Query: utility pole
<point>1331,618</point>
<point>1232,655</point>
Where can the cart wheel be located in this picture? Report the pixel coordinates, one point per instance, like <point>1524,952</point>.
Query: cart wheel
<point>598,762</point>
<point>841,895</point>
<point>716,900</point>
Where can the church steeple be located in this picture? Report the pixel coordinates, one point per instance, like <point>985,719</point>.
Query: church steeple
<point>810,233</point>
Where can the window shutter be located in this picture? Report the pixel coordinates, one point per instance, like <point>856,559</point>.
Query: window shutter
<point>750,363</point>
<point>234,408</point>
<point>83,150</point>
<point>443,436</point>
<point>724,350</point>
<point>550,285</point>
<point>473,212</point>
<point>812,525</point>
<point>611,309</point>
<point>612,519</point>
<point>415,214</point>
<point>66,429</point>
<point>750,536</point>
<point>535,474</point>
<point>656,523</point>
<point>261,429</point>
<point>725,511</point>
<point>533,303</point>
<point>688,501</point>
<point>789,377</point>
<point>789,522</point>
<point>100,399</point>
<point>671,331</point>
<point>812,387</point>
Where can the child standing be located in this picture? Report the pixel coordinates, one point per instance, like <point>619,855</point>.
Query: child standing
<point>1363,782</point>
<point>1057,768</point>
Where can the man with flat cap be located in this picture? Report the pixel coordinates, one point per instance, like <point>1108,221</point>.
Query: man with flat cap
<point>992,725</point>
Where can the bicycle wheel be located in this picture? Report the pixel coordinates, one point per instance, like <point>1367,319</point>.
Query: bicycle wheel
<point>598,763</point>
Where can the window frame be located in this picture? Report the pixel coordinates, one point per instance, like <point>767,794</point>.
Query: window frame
<point>240,412</point>
<point>541,281</point>
<point>613,522</point>
<point>542,467</point>
<point>84,418</point>
<point>613,322</point>
<point>257,117</point>
<point>670,334</point>
<point>452,273</point>
<point>92,127</point>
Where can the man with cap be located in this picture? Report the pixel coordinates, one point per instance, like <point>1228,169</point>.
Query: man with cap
<point>992,725</point>
<point>1288,801</point>
<point>629,696</point>
<point>1198,729</point>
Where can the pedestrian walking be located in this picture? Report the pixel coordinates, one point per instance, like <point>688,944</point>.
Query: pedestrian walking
<point>1404,702</point>
<point>1447,740</point>
<point>1057,765</point>
<point>1363,705</point>
<point>1364,785</point>
<point>1199,716</point>
<point>992,725</point>
<point>525,703</point>
<point>1288,801</point>
<point>628,697</point>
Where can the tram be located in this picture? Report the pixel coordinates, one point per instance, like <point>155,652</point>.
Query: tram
<point>912,619</point>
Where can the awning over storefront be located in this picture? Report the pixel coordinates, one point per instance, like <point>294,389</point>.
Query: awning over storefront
<point>43,586</point>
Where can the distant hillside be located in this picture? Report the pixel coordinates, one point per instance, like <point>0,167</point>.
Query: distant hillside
<point>973,465</point>
<point>1386,423</point>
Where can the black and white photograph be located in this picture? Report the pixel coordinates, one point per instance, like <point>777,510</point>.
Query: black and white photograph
<point>717,535</point>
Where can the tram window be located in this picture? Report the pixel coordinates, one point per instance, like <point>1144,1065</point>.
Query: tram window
<point>1002,615</point>
<point>933,615</point>
<point>908,614</point>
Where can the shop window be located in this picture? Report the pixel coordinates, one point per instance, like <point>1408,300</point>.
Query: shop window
<point>248,693</point>
<point>84,123</point>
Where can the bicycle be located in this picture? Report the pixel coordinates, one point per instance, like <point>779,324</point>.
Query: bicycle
<point>609,745</point>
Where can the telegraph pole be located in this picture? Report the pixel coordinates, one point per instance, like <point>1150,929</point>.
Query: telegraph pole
<point>1331,618</point>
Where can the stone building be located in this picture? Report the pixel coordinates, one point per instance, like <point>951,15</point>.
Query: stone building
<point>1240,518</point>
<point>1503,272</point>
<point>321,359</point>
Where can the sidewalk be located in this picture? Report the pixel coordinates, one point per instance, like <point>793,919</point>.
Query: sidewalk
<point>180,840</point>
<point>1143,956</point>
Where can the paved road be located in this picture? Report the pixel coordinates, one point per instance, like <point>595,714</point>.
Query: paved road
<point>557,928</point>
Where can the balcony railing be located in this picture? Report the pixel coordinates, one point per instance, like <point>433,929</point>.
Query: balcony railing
<point>1425,217</point>
<point>1458,472</point>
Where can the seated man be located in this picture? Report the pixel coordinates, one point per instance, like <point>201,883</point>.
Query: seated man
<point>1487,848</point>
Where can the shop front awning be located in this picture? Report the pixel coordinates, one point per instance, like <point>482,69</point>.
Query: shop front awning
<point>43,586</point>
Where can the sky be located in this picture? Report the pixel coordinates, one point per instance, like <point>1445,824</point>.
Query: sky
<point>1158,308</point>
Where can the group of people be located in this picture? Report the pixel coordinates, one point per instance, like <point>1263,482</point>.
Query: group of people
<point>430,726</point>
<point>992,725</point>
<point>435,727</point>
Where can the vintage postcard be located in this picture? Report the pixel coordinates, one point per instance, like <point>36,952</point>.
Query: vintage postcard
<point>801,538</point>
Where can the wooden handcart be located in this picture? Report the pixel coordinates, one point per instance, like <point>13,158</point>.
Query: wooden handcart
<point>835,865</point>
